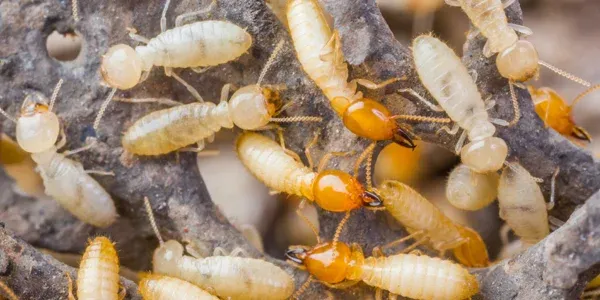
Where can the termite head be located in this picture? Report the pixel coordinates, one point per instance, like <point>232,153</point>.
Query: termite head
<point>328,262</point>
<point>37,127</point>
<point>121,67</point>
<point>338,191</point>
<point>369,119</point>
<point>519,62</point>
<point>251,107</point>
<point>166,256</point>
<point>485,155</point>
<point>472,253</point>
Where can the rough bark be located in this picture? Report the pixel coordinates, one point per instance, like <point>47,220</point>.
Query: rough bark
<point>181,203</point>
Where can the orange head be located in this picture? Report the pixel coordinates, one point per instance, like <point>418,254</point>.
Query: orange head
<point>369,119</point>
<point>338,191</point>
<point>328,262</point>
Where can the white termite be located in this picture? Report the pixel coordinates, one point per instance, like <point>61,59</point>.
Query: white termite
<point>469,190</point>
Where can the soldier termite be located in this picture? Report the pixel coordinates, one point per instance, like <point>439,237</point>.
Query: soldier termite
<point>470,190</point>
<point>319,52</point>
<point>224,276</point>
<point>170,288</point>
<point>426,223</point>
<point>19,166</point>
<point>98,275</point>
<point>252,107</point>
<point>64,180</point>
<point>556,113</point>
<point>449,82</point>
<point>338,265</point>
<point>196,45</point>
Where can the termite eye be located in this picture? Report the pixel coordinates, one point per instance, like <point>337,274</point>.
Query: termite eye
<point>403,138</point>
<point>121,67</point>
<point>294,255</point>
<point>372,199</point>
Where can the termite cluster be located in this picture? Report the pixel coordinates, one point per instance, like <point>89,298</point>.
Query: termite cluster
<point>179,272</point>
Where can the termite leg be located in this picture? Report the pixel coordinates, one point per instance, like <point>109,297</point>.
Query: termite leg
<point>163,16</point>
<point>525,31</point>
<point>83,148</point>
<point>422,99</point>
<point>122,292</point>
<point>452,244</point>
<point>507,3</point>
<point>451,131</point>
<point>282,142</point>
<point>192,248</point>
<point>163,101</point>
<point>201,70</point>
<point>307,152</point>
<point>327,157</point>
<point>181,18</point>
<point>501,122</point>
<point>63,139</point>
<point>378,250</point>
<point>342,285</point>
<point>99,172</point>
<point>374,86</point>
<point>225,92</point>
<point>504,231</point>
<point>307,221</point>
<point>460,142</point>
<point>363,156</point>
<point>489,103</point>
<point>70,287</point>
<point>334,42</point>
<point>253,236</point>
<point>136,37</point>
<point>239,252</point>
<point>452,2</point>
<point>191,89</point>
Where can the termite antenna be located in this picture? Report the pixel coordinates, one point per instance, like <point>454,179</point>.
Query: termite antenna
<point>152,221</point>
<point>307,119</point>
<point>308,222</point>
<point>515,103</point>
<point>6,115</point>
<point>163,16</point>
<point>55,93</point>
<point>269,62</point>
<point>369,166</point>
<point>565,74</point>
<point>552,202</point>
<point>585,93</point>
<point>303,288</point>
<point>103,109</point>
<point>338,230</point>
<point>75,7</point>
<point>8,291</point>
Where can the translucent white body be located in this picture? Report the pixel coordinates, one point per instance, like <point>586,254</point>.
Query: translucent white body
<point>311,36</point>
<point>224,276</point>
<point>449,82</point>
<point>156,287</point>
<point>522,205</point>
<point>98,275</point>
<point>470,190</point>
<point>67,182</point>
<point>199,44</point>
<point>418,277</point>
<point>266,160</point>
<point>37,128</point>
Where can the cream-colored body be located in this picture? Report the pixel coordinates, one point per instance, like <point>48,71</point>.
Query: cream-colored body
<point>470,190</point>
<point>199,44</point>
<point>98,275</point>
<point>18,165</point>
<point>418,277</point>
<point>320,56</point>
<point>156,287</point>
<point>522,205</point>
<point>67,182</point>
<point>224,276</point>
<point>266,160</point>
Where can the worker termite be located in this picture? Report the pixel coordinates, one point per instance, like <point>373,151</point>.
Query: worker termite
<point>470,190</point>
<point>224,276</point>
<point>252,107</point>
<point>19,166</point>
<point>195,45</point>
<point>338,265</point>
<point>426,223</point>
<point>556,113</point>
<point>449,82</point>
<point>64,180</point>
<point>98,275</point>
<point>170,288</point>
<point>320,54</point>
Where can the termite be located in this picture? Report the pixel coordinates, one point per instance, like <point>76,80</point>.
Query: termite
<point>320,54</point>
<point>224,276</point>
<point>7,292</point>
<point>170,288</point>
<point>64,180</point>
<point>449,82</point>
<point>470,190</point>
<point>195,45</point>
<point>427,223</point>
<point>251,108</point>
<point>98,275</point>
<point>557,113</point>
<point>19,166</point>
<point>338,265</point>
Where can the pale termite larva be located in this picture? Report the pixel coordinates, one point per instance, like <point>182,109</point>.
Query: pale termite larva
<point>426,222</point>
<point>449,82</point>
<point>17,164</point>
<point>224,276</point>
<point>250,108</point>
<point>408,275</point>
<point>98,275</point>
<point>319,52</point>
<point>158,287</point>
<point>469,190</point>
<point>64,180</point>
<point>522,204</point>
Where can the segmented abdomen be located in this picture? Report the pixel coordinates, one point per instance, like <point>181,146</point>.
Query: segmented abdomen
<point>199,44</point>
<point>235,277</point>
<point>419,277</point>
<point>67,182</point>
<point>170,129</point>
<point>98,275</point>
<point>171,288</point>
<point>448,81</point>
<point>489,17</point>
<point>311,34</point>
<point>266,160</point>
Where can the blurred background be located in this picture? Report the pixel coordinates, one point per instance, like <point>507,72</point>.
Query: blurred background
<point>566,34</point>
